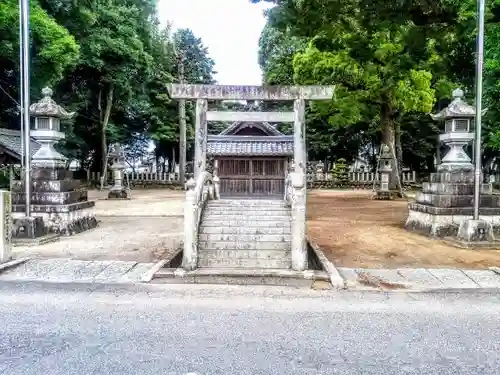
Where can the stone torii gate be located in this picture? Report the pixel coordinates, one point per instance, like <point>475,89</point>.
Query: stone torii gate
<point>297,94</point>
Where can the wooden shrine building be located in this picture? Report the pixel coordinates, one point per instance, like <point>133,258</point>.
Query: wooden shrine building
<point>251,159</point>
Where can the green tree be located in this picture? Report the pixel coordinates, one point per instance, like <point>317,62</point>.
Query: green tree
<point>54,51</point>
<point>390,62</point>
<point>111,73</point>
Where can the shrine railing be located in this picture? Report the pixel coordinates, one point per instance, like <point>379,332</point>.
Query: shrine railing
<point>198,193</point>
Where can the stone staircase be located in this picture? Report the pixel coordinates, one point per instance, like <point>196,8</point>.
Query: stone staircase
<point>245,233</point>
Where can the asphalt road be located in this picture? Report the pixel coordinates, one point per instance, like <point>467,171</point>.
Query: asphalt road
<point>72,330</point>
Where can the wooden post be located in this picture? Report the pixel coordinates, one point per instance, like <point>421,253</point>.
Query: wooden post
<point>200,150</point>
<point>5,226</point>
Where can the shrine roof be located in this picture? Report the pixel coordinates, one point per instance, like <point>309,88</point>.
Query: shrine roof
<point>10,140</point>
<point>264,127</point>
<point>227,145</point>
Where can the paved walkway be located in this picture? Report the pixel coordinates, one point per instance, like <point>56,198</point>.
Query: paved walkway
<point>108,271</point>
<point>69,270</point>
<point>420,279</point>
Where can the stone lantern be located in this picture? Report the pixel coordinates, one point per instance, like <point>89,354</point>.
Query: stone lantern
<point>59,203</point>
<point>457,118</point>
<point>47,116</point>
<point>445,206</point>
<point>385,170</point>
<point>118,191</point>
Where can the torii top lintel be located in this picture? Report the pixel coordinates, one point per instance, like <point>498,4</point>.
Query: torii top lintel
<point>234,92</point>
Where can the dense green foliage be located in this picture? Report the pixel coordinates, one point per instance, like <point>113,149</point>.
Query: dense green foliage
<point>391,62</point>
<point>111,62</point>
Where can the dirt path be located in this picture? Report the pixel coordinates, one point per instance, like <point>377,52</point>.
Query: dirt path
<point>355,231</point>
<point>146,228</point>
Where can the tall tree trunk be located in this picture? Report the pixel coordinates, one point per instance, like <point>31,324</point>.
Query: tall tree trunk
<point>387,125</point>
<point>399,148</point>
<point>104,116</point>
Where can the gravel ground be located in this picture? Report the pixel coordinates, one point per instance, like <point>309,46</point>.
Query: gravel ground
<point>357,232</point>
<point>146,228</point>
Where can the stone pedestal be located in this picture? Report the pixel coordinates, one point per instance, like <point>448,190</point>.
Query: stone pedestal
<point>446,203</point>
<point>5,226</point>
<point>59,205</point>
<point>118,191</point>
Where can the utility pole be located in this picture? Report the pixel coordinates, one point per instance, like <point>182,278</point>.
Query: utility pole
<point>182,126</point>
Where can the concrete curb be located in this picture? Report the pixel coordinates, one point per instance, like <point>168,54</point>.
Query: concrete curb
<point>335,279</point>
<point>13,263</point>
<point>425,290</point>
<point>148,276</point>
<point>495,269</point>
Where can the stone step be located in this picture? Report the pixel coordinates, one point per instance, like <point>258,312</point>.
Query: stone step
<point>245,230</point>
<point>282,223</point>
<point>247,203</point>
<point>224,262</point>
<point>263,216</point>
<point>249,210</point>
<point>233,245</point>
<point>246,237</point>
<point>268,254</point>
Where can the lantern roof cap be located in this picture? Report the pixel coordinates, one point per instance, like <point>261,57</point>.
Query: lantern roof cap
<point>458,108</point>
<point>47,107</point>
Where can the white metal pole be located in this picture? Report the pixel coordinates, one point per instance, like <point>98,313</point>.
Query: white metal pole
<point>26,102</point>
<point>21,97</point>
<point>479,92</point>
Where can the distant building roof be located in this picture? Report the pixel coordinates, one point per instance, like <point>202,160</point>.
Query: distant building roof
<point>250,145</point>
<point>269,142</point>
<point>10,141</point>
<point>265,127</point>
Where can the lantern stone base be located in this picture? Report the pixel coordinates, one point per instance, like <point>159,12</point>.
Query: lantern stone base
<point>59,205</point>
<point>444,209</point>
<point>63,220</point>
<point>443,223</point>
<point>119,193</point>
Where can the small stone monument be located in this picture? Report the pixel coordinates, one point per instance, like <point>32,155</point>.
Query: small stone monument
<point>319,171</point>
<point>59,204</point>
<point>446,203</point>
<point>5,226</point>
<point>383,192</point>
<point>118,191</point>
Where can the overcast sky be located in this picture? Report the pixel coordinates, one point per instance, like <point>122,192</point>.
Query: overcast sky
<point>229,28</point>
